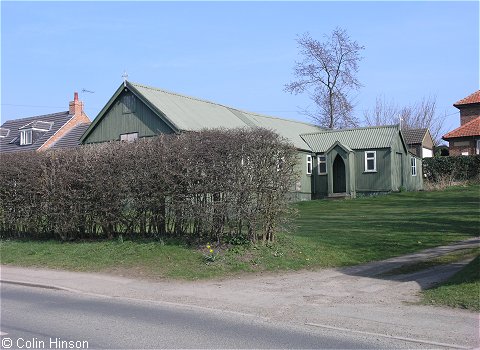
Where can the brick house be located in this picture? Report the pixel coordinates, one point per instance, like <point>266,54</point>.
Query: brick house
<point>465,140</point>
<point>43,132</point>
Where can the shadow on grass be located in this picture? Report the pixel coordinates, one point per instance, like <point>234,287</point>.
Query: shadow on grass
<point>424,277</point>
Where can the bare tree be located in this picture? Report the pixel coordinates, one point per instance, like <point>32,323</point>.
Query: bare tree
<point>419,115</point>
<point>328,74</point>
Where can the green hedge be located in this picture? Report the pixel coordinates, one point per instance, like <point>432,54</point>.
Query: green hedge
<point>455,168</point>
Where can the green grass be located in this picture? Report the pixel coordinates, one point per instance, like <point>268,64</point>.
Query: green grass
<point>462,290</point>
<point>325,234</point>
<point>450,258</point>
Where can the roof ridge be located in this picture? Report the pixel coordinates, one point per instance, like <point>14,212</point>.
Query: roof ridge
<point>37,116</point>
<point>217,104</point>
<point>278,118</point>
<point>178,94</point>
<point>328,131</point>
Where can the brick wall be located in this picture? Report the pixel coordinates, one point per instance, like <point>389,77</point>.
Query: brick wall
<point>462,144</point>
<point>468,113</point>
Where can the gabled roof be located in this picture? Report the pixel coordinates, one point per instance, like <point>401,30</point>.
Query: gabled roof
<point>473,98</point>
<point>358,138</point>
<point>11,143</point>
<point>185,113</point>
<point>413,136</point>
<point>472,128</point>
<point>72,138</point>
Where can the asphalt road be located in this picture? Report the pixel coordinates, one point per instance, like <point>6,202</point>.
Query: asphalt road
<point>47,319</point>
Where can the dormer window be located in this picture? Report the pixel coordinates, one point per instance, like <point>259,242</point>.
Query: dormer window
<point>26,137</point>
<point>31,132</point>
<point>4,132</point>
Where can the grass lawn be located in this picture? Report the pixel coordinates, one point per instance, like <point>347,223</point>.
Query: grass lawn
<point>325,234</point>
<point>461,290</point>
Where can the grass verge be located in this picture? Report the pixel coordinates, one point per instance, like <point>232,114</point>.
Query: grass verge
<point>325,234</point>
<point>462,290</point>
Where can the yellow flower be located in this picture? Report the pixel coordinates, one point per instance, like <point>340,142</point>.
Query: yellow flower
<point>208,246</point>
<point>211,250</point>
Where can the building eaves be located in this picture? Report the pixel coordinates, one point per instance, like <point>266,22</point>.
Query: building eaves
<point>472,128</point>
<point>473,98</point>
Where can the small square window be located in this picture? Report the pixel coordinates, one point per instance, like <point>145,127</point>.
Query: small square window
<point>322,164</point>
<point>370,161</point>
<point>309,164</point>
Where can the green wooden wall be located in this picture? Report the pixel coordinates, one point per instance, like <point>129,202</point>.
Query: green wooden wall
<point>393,172</point>
<point>303,187</point>
<point>115,121</point>
<point>373,181</point>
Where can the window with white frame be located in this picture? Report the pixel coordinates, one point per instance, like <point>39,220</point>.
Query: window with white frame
<point>413,164</point>
<point>309,164</point>
<point>26,137</point>
<point>129,137</point>
<point>322,164</point>
<point>370,161</point>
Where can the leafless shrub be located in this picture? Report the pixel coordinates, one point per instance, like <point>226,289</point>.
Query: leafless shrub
<point>209,185</point>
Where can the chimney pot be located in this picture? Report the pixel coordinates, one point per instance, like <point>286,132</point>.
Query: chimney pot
<point>75,96</point>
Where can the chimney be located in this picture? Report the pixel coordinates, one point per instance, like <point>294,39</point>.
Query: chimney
<point>76,106</point>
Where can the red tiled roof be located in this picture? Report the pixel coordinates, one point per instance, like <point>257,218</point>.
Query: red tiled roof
<point>473,98</point>
<point>472,128</point>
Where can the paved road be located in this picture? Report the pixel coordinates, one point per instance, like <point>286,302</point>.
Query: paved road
<point>42,318</point>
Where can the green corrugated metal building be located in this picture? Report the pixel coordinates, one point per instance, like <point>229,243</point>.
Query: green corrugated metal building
<point>136,111</point>
<point>362,160</point>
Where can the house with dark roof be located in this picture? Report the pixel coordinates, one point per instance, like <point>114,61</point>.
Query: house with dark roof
<point>419,142</point>
<point>43,132</point>
<point>330,163</point>
<point>465,140</point>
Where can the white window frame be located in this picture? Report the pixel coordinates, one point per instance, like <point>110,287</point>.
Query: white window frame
<point>129,137</point>
<point>367,158</point>
<point>309,164</point>
<point>26,137</point>
<point>478,147</point>
<point>321,159</point>
<point>413,166</point>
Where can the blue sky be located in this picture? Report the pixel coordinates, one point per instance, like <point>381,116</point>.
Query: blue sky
<point>236,53</point>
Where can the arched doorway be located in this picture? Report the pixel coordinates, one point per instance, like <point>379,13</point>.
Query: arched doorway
<point>339,176</point>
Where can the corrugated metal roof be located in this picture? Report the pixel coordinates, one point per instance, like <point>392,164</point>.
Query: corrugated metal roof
<point>413,136</point>
<point>72,138</point>
<point>192,114</point>
<point>360,138</point>
<point>11,143</point>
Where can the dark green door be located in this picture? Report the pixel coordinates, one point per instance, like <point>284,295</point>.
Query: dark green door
<point>339,177</point>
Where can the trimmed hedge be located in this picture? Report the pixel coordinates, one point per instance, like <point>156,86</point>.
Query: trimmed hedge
<point>455,168</point>
<point>212,185</point>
